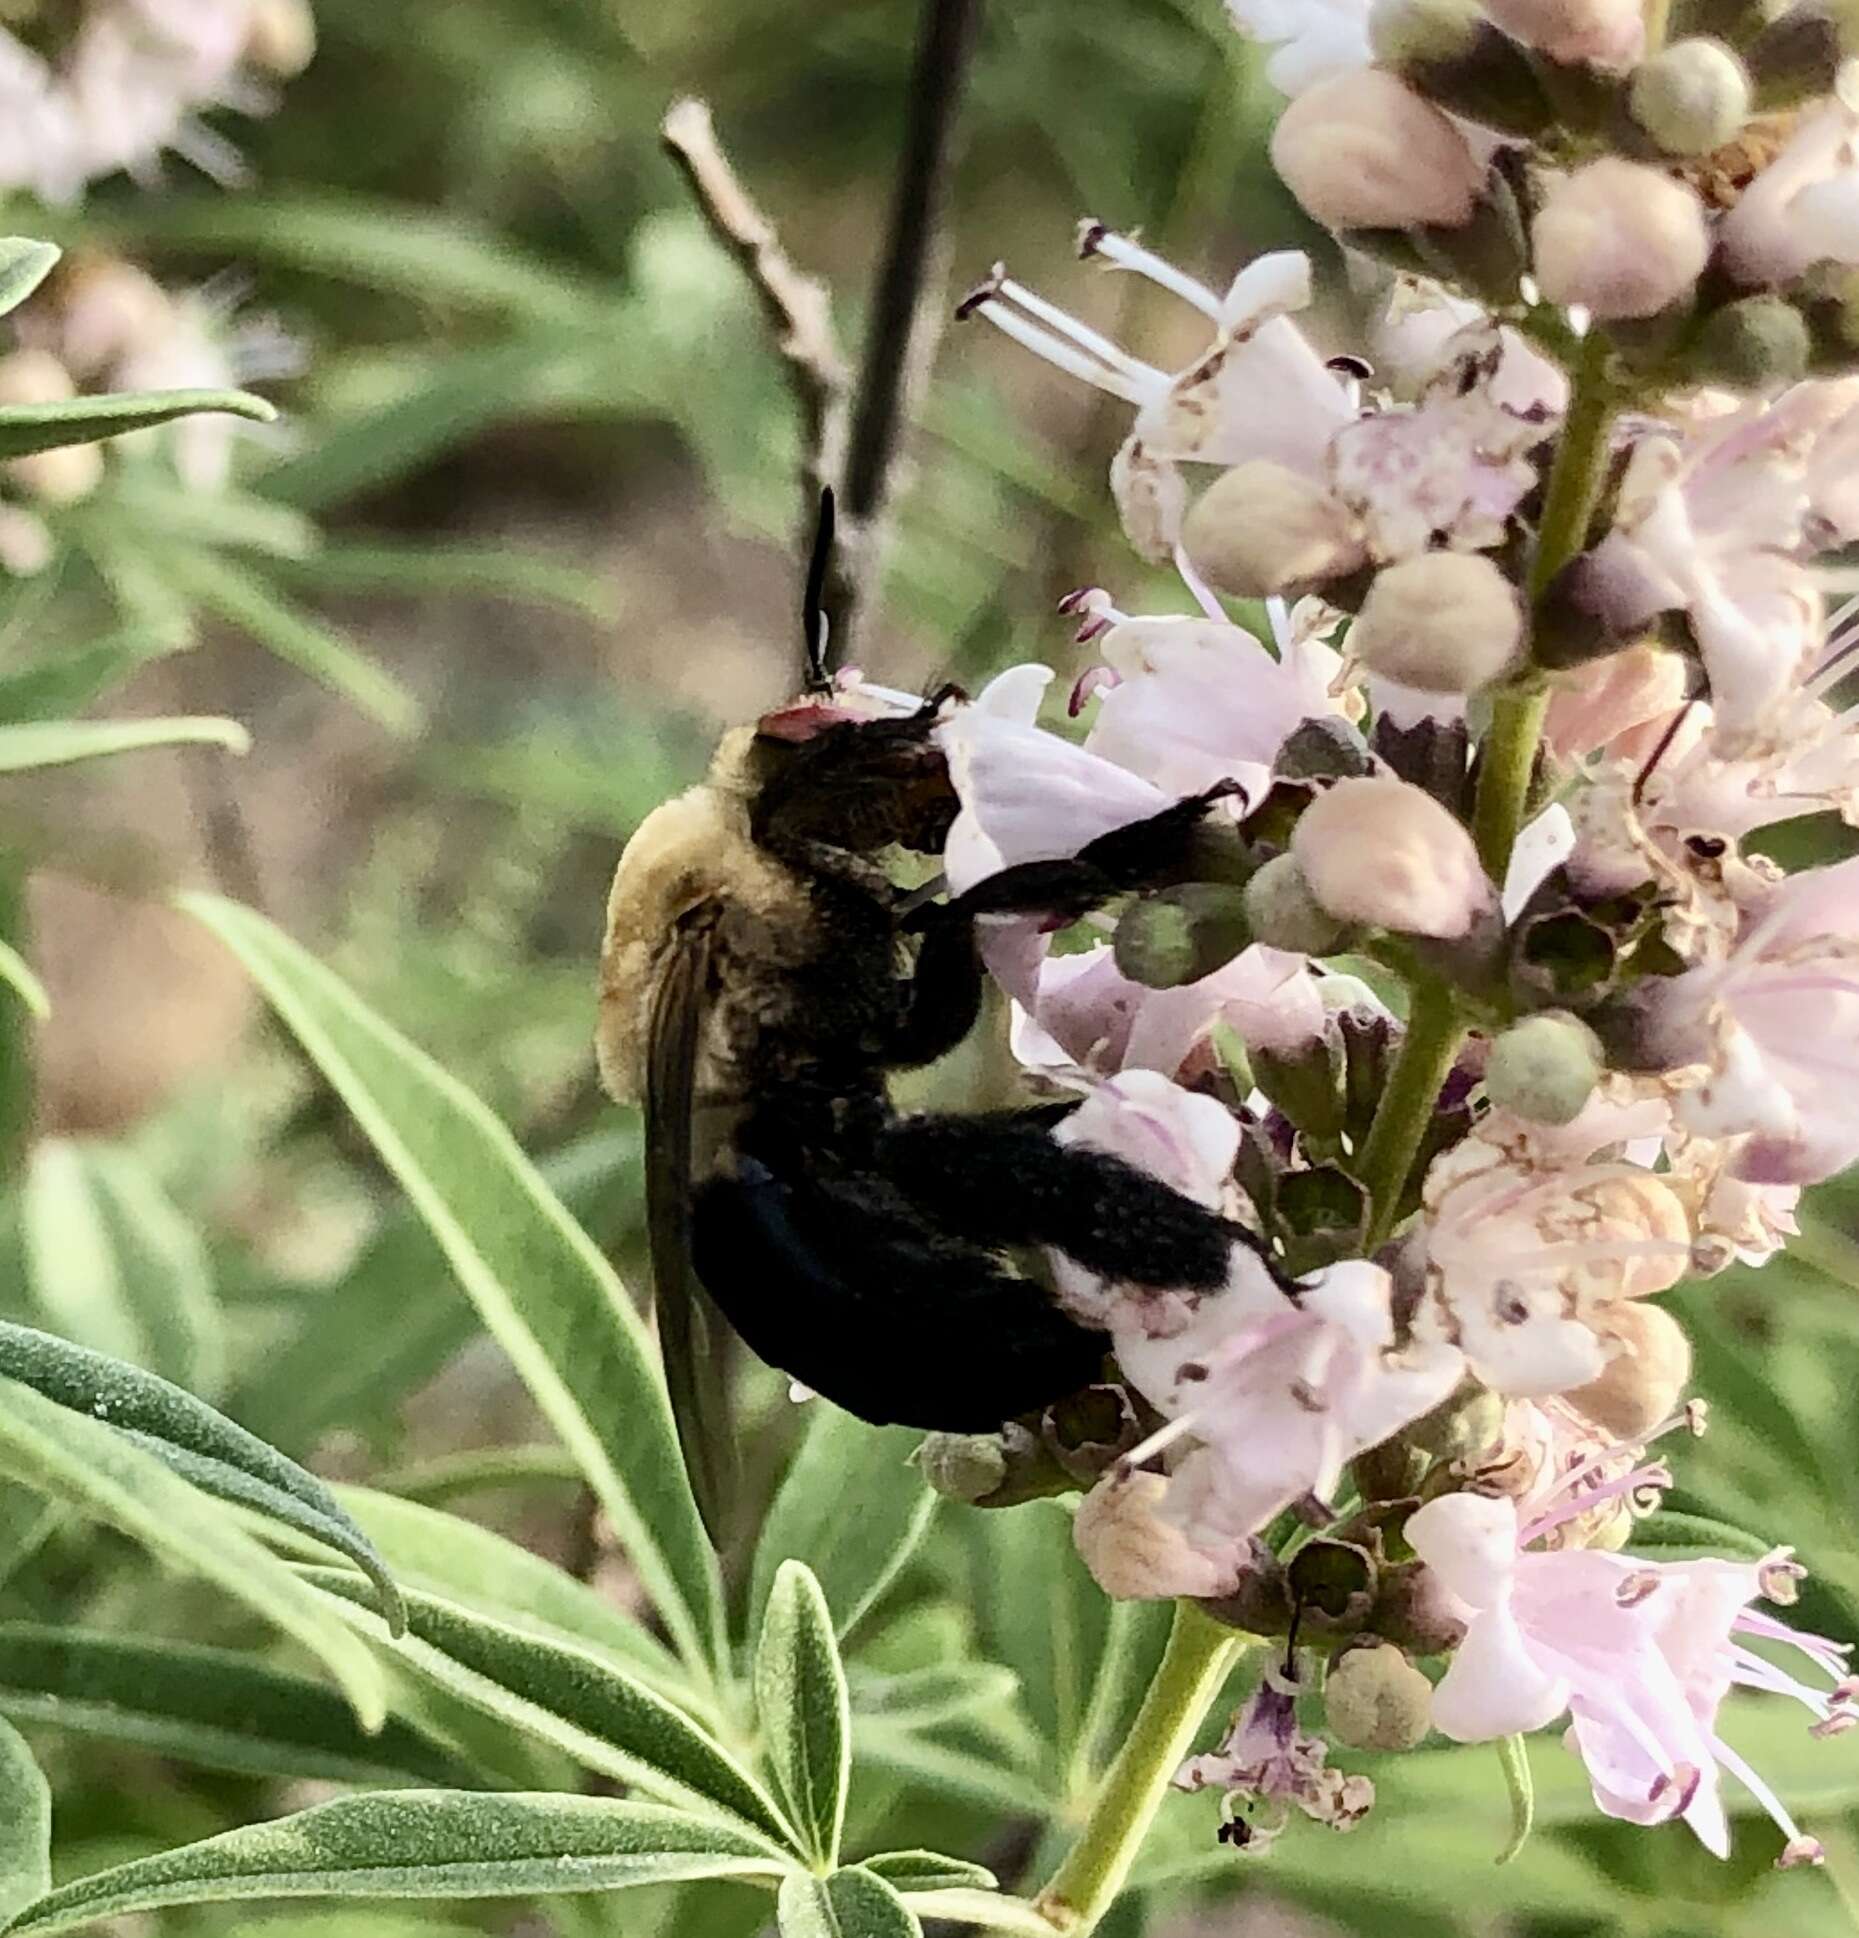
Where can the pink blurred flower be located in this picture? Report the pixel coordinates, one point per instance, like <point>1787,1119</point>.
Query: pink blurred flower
<point>1639,1655</point>
<point>1311,40</point>
<point>1765,1029</point>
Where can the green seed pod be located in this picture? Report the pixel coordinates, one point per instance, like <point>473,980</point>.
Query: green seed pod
<point>991,1469</point>
<point>1375,1699</point>
<point>1284,913</point>
<point>1691,97</point>
<point>1183,933</point>
<point>1545,1068</point>
<point>1759,343</point>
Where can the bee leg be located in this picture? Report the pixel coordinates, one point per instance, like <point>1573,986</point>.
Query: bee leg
<point>1141,855</point>
<point>941,1001</point>
<point>843,1287</point>
<point>1000,1179</point>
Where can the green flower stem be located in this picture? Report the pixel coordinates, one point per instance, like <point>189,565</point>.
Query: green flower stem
<point>1406,1107</point>
<point>1508,756</point>
<point>1193,1668</point>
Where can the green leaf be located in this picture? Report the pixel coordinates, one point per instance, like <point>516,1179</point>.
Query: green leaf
<point>419,1844</point>
<point>17,974</point>
<point>853,1557</point>
<point>241,598</point>
<point>68,680</point>
<point>944,1692</point>
<point>25,1826</point>
<point>1696,1535</point>
<point>544,1291</point>
<point>26,428</point>
<point>112,1265</point>
<point>24,265</point>
<point>104,1473</point>
<point>930,1871</point>
<point>1514,1757</point>
<point>476,1569</point>
<point>800,1697</point>
<point>400,1294</point>
<point>57,743</point>
<point>488,571</point>
<point>393,246</point>
<point>213,1707</point>
<point>1001,1917</point>
<point>572,1698</point>
<point>854,1903</point>
<point>192,1440</point>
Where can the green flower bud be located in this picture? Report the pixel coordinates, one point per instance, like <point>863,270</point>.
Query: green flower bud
<point>1375,1699</point>
<point>1284,913</point>
<point>1759,343</point>
<point>1545,1068</point>
<point>1181,934</point>
<point>1466,1422</point>
<point>962,1466</point>
<point>991,1469</point>
<point>1691,97</point>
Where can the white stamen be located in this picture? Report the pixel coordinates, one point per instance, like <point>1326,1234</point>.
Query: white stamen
<point>1086,338</point>
<point>1095,240</point>
<point>1202,591</point>
<point>1059,354</point>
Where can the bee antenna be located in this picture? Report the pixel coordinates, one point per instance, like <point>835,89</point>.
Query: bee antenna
<point>815,625</point>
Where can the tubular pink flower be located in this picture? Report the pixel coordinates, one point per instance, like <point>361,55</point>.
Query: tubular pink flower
<point>1638,1654</point>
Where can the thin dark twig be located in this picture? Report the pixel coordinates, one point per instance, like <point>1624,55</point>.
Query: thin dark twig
<point>798,306</point>
<point>901,337</point>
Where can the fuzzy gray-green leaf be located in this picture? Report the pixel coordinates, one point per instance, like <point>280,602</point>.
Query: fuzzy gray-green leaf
<point>188,1436</point>
<point>24,265</point>
<point>417,1844</point>
<point>26,428</point>
<point>218,1708</point>
<point>79,1460</point>
<point>541,1287</point>
<point>800,1696</point>
<point>574,1699</point>
<point>25,1826</point>
<point>853,1903</point>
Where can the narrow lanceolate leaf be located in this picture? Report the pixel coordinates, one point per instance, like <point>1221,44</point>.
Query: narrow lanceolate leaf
<point>25,1826</point>
<point>930,1871</point>
<point>853,1903</point>
<point>113,1265</point>
<point>24,265</point>
<point>800,1696</point>
<point>999,1917</point>
<point>68,679</point>
<point>214,1707</point>
<point>16,973</point>
<point>92,1467</point>
<point>191,1439</point>
<point>540,1285</point>
<point>1514,1755</point>
<point>474,1568</point>
<point>572,1699</point>
<point>57,743</point>
<point>25,428</point>
<point>418,1844</point>
<point>243,599</point>
<point>854,1557</point>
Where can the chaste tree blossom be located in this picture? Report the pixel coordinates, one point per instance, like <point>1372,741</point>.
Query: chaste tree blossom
<point>1474,1005</point>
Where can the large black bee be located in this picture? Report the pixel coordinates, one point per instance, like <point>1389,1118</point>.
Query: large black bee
<point>760,978</point>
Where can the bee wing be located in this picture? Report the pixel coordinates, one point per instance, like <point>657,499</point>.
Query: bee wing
<point>691,1332</point>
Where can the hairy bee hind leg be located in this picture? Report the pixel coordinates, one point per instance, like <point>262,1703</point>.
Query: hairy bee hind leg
<point>840,1285</point>
<point>941,1001</point>
<point>1143,854</point>
<point>1000,1179</point>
